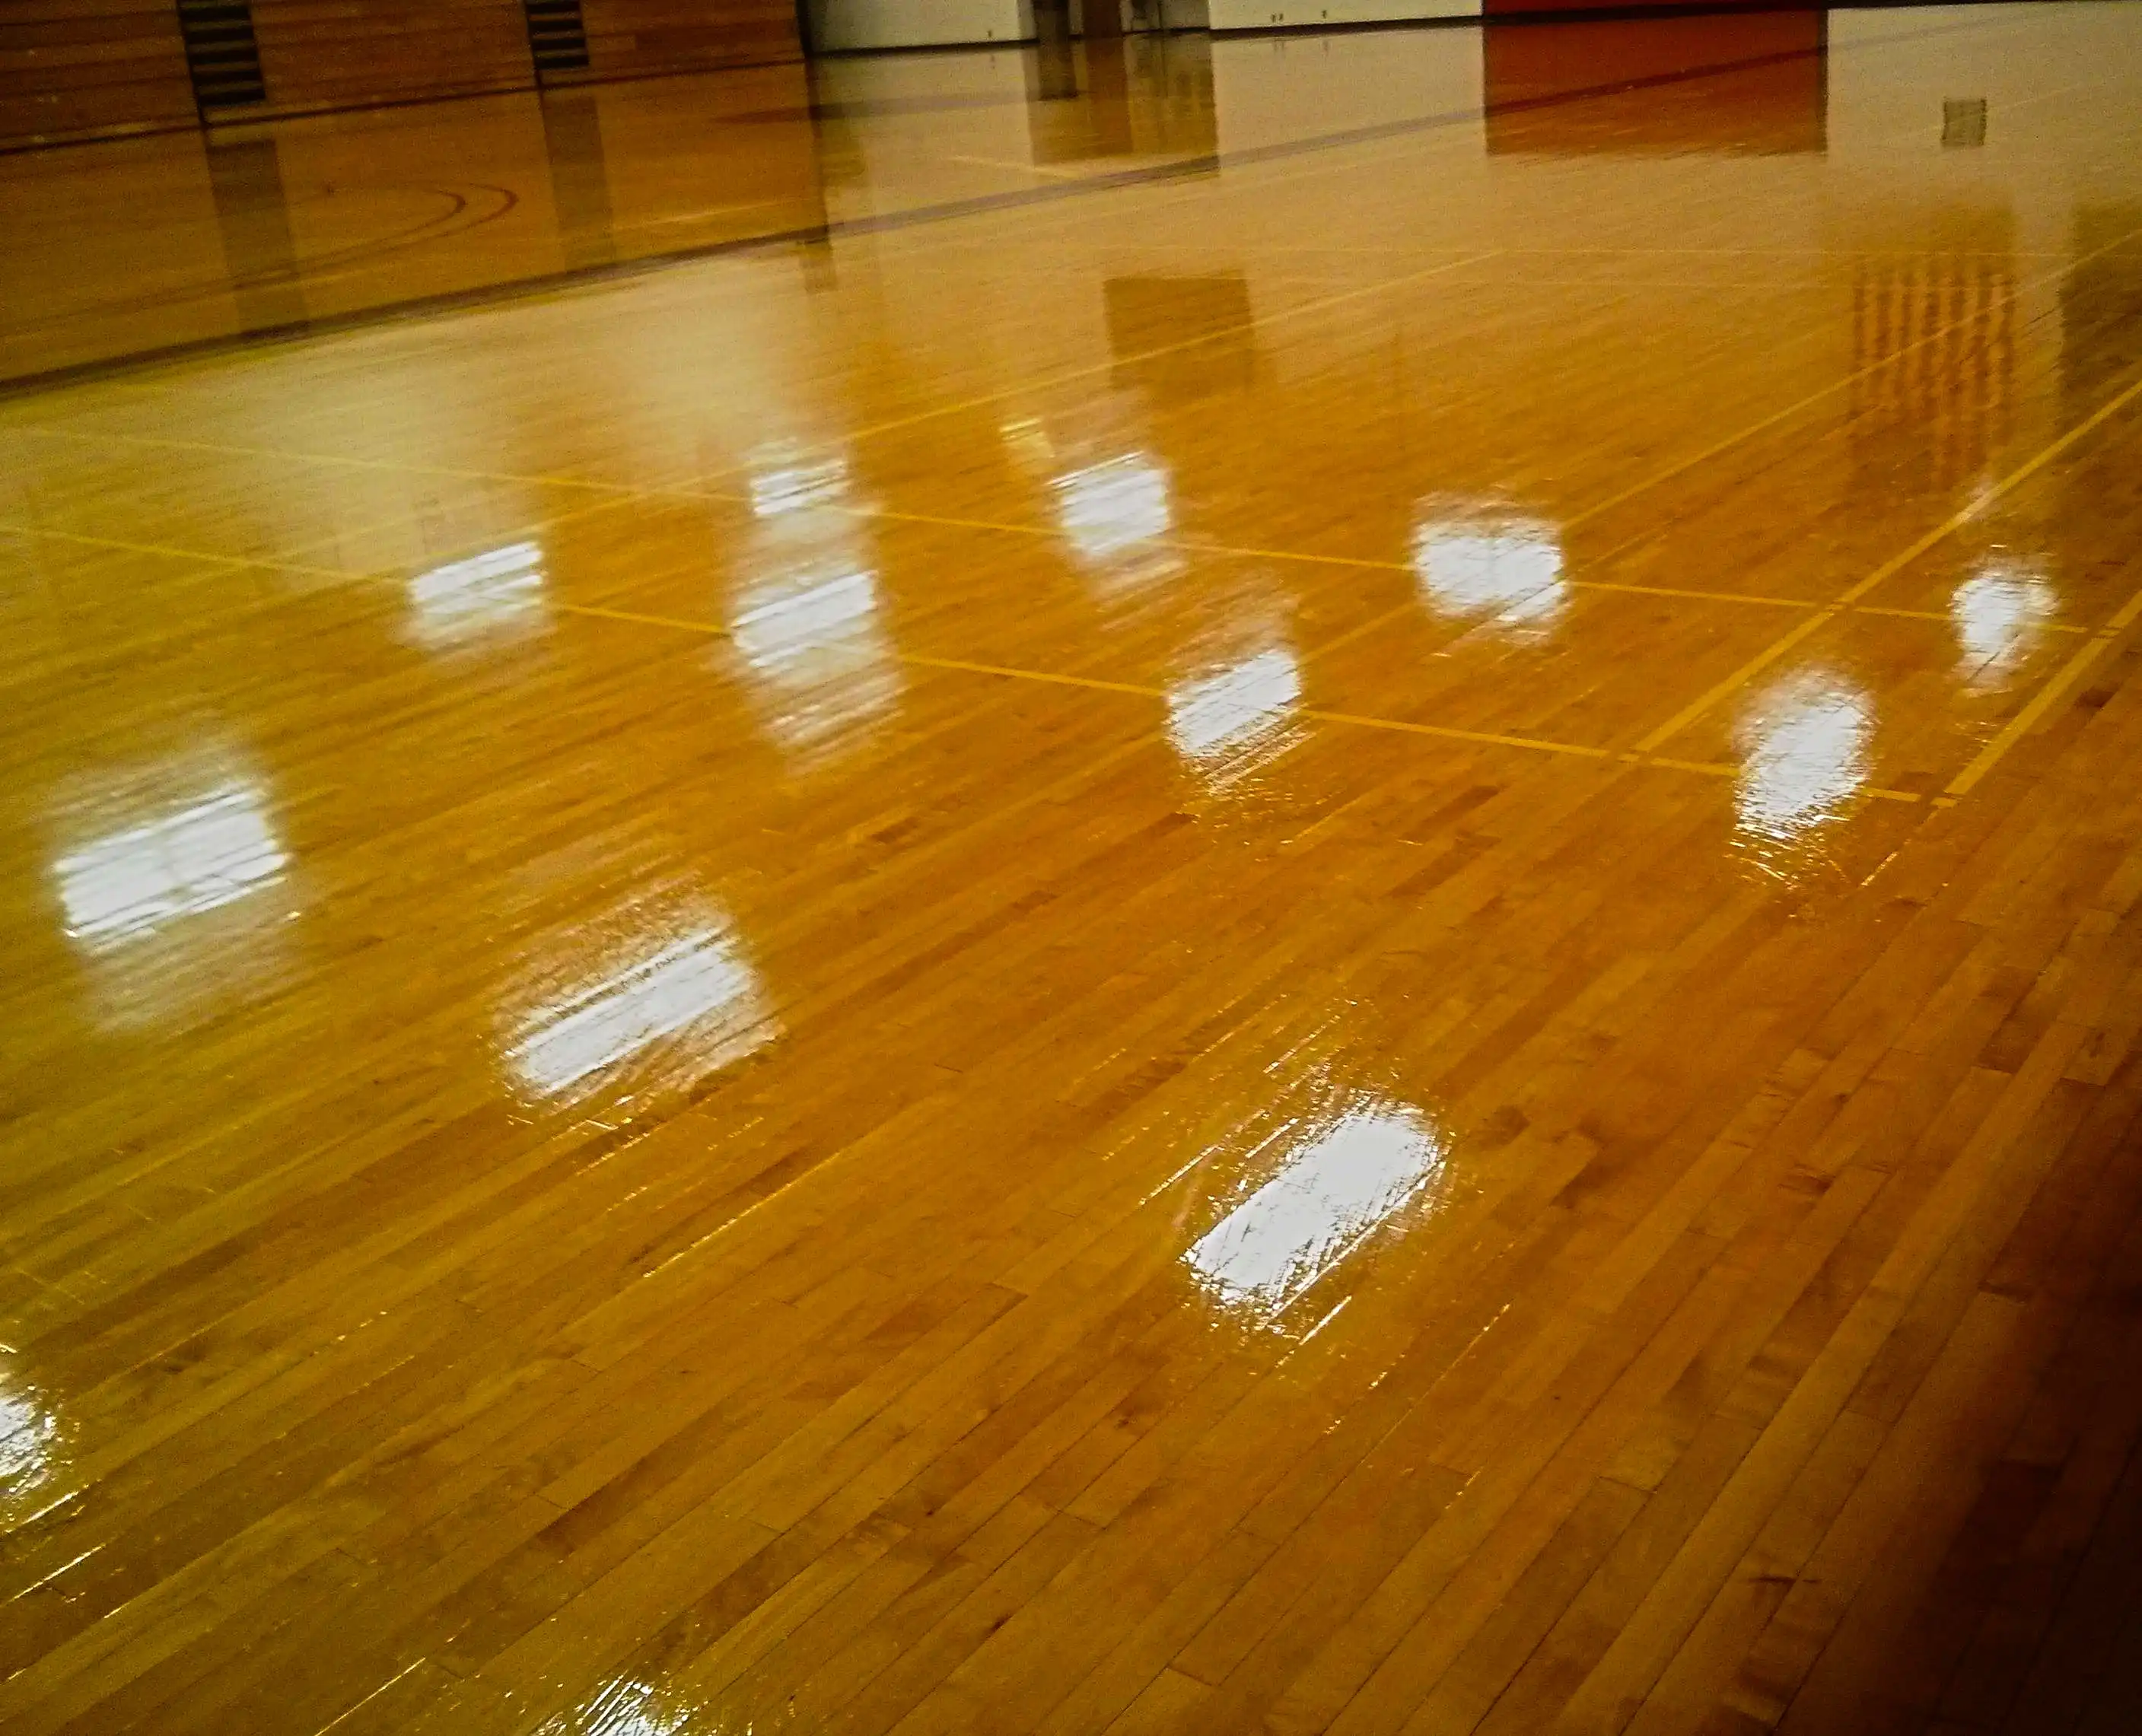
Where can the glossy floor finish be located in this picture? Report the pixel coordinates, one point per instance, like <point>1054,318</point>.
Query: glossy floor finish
<point>1300,891</point>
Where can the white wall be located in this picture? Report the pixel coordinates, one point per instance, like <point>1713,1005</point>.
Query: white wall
<point>839,24</point>
<point>1277,14</point>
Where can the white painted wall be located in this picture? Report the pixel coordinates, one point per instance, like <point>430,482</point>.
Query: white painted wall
<point>1281,89</point>
<point>1228,15</point>
<point>839,24</point>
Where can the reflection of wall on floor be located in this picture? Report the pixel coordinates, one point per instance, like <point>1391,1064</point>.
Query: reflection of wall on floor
<point>1771,94</point>
<point>1119,96</point>
<point>1933,350</point>
<point>317,218</point>
<point>1180,339</point>
<point>1276,90</point>
<point>253,215</point>
<point>840,25</point>
<point>2100,308</point>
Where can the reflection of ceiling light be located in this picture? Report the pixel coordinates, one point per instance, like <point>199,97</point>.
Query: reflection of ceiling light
<point>206,853</point>
<point>783,621</point>
<point>1028,444</point>
<point>1325,1201</point>
<point>1106,508</point>
<point>625,1707</point>
<point>29,1444</point>
<point>699,989</point>
<point>1218,715</point>
<point>1803,754</point>
<point>1510,568</point>
<point>2000,614</point>
<point>820,660</point>
<point>25,1435</point>
<point>501,589</point>
<point>792,485</point>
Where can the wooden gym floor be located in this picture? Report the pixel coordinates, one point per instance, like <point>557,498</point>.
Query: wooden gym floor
<point>1297,887</point>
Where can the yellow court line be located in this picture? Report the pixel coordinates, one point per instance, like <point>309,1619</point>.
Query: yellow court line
<point>637,620</point>
<point>2075,628</point>
<point>1369,563</point>
<point>1606,250</point>
<point>222,450</point>
<point>1368,156</point>
<point>2046,697</point>
<point>1374,624</point>
<point>158,550</point>
<point>1040,169</point>
<point>603,613</point>
<point>1048,383</point>
<point>1043,383</point>
<point>163,552</point>
<point>1451,733</point>
<point>1786,414</point>
<point>905,240</point>
<point>1994,491</point>
<point>1709,768</point>
<point>1888,569</point>
<point>1728,768</point>
<point>289,564</point>
<point>1144,690</point>
<point>548,521</point>
<point>1735,681</point>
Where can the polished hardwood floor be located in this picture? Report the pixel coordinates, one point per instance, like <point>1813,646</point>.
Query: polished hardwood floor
<point>1187,886</point>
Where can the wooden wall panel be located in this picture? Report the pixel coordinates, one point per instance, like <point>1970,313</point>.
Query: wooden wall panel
<point>69,68</point>
<point>627,37</point>
<point>320,54</point>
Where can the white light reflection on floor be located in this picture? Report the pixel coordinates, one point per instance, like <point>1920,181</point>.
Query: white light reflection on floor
<point>1111,514</point>
<point>1341,1185</point>
<point>1028,443</point>
<point>696,991</point>
<point>489,595</point>
<point>30,1446</point>
<point>2000,614</point>
<point>821,667</point>
<point>1481,561</point>
<point>628,1708</point>
<point>211,851</point>
<point>785,479</point>
<point>1804,756</point>
<point>1224,722</point>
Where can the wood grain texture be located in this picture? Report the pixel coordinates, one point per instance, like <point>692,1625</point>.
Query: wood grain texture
<point>318,54</point>
<point>628,37</point>
<point>1320,926</point>
<point>78,68</point>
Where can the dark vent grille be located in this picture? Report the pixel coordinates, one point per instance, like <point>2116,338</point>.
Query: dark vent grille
<point>556,36</point>
<point>221,54</point>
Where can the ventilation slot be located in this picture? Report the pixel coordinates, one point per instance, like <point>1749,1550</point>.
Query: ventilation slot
<point>556,37</point>
<point>221,54</point>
